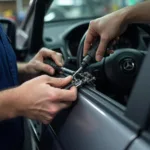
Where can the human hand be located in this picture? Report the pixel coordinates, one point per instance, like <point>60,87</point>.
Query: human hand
<point>37,65</point>
<point>108,28</point>
<point>41,98</point>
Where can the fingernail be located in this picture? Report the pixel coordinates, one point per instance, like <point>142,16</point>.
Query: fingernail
<point>98,57</point>
<point>69,77</point>
<point>60,64</point>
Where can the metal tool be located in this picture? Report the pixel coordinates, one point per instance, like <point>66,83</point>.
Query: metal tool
<point>89,57</point>
<point>58,68</point>
<point>78,81</point>
<point>82,79</point>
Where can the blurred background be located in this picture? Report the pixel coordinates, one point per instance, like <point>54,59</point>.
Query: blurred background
<point>63,9</point>
<point>14,9</point>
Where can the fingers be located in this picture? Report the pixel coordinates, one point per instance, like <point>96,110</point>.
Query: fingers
<point>45,68</point>
<point>57,94</point>
<point>49,114</point>
<point>66,95</point>
<point>90,37</point>
<point>55,82</point>
<point>58,106</point>
<point>87,43</point>
<point>56,57</point>
<point>101,49</point>
<point>59,82</point>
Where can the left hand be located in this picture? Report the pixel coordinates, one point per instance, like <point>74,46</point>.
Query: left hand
<point>37,65</point>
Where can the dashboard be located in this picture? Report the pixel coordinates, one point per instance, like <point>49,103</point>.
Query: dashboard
<point>64,37</point>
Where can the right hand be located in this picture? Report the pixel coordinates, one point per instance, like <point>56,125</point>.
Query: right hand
<point>41,98</point>
<point>108,28</point>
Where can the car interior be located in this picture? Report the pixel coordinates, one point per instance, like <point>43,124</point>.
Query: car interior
<point>116,77</point>
<point>68,39</point>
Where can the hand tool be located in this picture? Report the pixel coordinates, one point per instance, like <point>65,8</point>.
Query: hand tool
<point>58,68</point>
<point>89,57</point>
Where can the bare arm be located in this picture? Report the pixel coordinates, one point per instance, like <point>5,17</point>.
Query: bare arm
<point>114,24</point>
<point>8,99</point>
<point>138,13</point>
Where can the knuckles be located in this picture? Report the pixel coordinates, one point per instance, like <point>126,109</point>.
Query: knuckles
<point>92,22</point>
<point>53,96</point>
<point>46,122</point>
<point>42,50</point>
<point>45,77</point>
<point>59,54</point>
<point>53,111</point>
<point>105,37</point>
<point>60,81</point>
<point>53,53</point>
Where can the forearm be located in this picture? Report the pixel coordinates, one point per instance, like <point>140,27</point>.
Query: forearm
<point>8,104</point>
<point>138,13</point>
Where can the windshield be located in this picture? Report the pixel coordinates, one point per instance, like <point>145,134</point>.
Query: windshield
<point>75,9</point>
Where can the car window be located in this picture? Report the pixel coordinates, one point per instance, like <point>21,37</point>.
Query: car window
<point>74,9</point>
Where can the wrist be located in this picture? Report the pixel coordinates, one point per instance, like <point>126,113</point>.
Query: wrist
<point>18,99</point>
<point>126,15</point>
<point>10,97</point>
<point>22,68</point>
<point>24,72</point>
<point>129,15</point>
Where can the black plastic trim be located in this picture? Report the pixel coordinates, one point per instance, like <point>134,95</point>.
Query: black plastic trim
<point>138,108</point>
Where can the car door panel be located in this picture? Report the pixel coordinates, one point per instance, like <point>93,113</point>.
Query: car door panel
<point>94,123</point>
<point>49,140</point>
<point>91,126</point>
<point>141,143</point>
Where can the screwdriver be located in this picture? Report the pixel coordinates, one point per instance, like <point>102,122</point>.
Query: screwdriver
<point>58,68</point>
<point>89,57</point>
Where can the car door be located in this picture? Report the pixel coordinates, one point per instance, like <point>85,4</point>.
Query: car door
<point>97,122</point>
<point>140,107</point>
<point>94,122</point>
<point>141,143</point>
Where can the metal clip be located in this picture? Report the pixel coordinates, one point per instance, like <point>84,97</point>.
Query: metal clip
<point>82,79</point>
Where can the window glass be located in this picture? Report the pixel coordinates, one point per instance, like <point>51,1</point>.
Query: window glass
<point>74,9</point>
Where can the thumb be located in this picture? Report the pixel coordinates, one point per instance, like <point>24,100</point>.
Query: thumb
<point>101,49</point>
<point>59,82</point>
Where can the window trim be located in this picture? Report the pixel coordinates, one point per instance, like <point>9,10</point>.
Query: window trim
<point>140,96</point>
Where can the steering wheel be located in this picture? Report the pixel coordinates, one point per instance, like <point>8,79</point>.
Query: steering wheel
<point>120,68</point>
